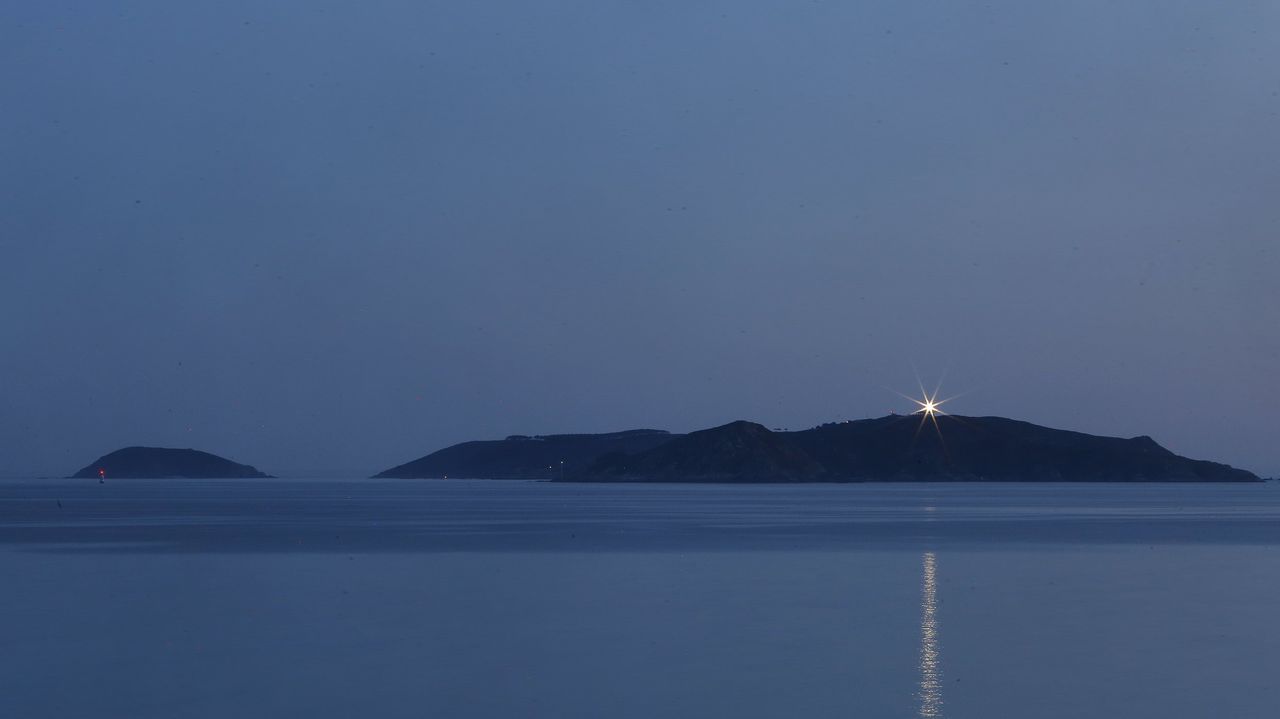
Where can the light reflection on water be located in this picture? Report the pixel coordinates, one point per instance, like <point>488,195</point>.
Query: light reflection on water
<point>930,669</point>
<point>461,515</point>
<point>669,576</point>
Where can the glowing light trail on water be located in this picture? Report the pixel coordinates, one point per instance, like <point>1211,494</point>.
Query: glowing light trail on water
<point>930,666</point>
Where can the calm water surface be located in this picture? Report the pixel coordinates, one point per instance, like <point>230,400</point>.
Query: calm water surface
<point>498,599</point>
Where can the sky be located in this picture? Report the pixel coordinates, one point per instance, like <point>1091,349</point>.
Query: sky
<point>325,238</point>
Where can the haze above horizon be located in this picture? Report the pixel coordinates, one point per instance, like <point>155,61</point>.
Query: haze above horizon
<point>321,238</point>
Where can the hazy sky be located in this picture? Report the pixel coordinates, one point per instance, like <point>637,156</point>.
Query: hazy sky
<point>325,237</point>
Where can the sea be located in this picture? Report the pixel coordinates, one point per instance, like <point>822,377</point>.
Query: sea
<point>487,599</point>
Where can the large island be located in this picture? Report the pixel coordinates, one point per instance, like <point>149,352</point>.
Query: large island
<point>886,449</point>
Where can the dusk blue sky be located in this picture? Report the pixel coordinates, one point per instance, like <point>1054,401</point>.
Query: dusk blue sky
<point>325,237</point>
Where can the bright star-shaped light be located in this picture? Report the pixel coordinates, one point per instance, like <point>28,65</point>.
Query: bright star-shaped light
<point>928,406</point>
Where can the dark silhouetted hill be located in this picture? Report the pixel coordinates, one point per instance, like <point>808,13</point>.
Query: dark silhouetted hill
<point>736,452</point>
<point>162,463</point>
<point>888,449</point>
<point>524,457</point>
<point>995,449</point>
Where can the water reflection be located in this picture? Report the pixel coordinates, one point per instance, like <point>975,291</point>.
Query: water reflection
<point>930,669</point>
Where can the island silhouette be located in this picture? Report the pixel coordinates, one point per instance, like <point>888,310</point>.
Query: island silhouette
<point>165,463</point>
<point>931,447</point>
<point>915,447</point>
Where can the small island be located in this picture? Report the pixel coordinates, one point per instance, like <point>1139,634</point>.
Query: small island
<point>164,463</point>
<point>934,447</point>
